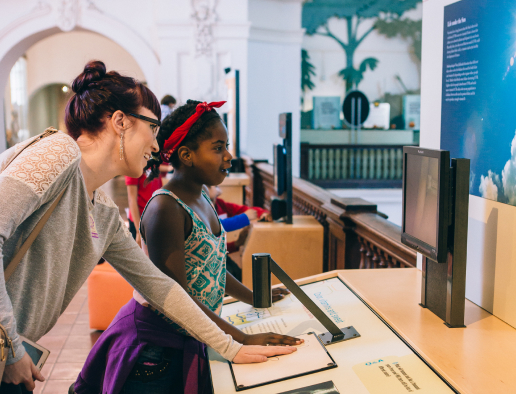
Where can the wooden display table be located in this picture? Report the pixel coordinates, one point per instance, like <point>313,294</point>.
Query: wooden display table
<point>475,359</point>
<point>297,247</point>
<point>383,302</point>
<point>233,187</point>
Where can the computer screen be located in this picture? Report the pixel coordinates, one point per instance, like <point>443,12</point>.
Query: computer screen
<point>422,198</point>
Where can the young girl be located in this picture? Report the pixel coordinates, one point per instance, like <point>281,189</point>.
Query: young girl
<point>180,228</point>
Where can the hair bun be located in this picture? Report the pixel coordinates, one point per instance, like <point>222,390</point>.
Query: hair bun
<point>94,71</point>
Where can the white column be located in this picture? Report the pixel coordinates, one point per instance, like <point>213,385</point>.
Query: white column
<point>274,75</point>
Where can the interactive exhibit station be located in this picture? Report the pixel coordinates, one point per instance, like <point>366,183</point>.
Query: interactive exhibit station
<point>326,312</point>
<point>435,223</point>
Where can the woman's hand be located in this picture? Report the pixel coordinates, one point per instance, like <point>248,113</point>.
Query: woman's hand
<point>278,293</point>
<point>270,338</point>
<point>259,354</point>
<point>23,371</point>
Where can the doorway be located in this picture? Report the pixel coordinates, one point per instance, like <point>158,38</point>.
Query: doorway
<point>47,108</point>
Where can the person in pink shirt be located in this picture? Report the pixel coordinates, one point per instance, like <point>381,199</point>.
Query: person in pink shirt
<point>138,193</point>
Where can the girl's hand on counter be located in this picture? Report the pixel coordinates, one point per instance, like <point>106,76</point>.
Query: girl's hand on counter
<point>278,293</point>
<point>259,354</point>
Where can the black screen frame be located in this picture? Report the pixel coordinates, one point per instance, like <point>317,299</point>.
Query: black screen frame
<point>440,251</point>
<point>279,166</point>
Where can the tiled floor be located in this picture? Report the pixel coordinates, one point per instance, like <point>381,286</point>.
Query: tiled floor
<point>69,343</point>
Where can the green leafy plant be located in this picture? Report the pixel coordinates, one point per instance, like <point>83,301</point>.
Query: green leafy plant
<point>406,28</point>
<point>307,71</point>
<point>317,13</point>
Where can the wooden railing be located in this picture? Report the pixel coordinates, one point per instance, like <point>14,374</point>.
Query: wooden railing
<point>338,166</point>
<point>356,235</point>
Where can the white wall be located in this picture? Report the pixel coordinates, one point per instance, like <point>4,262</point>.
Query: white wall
<point>161,37</point>
<point>61,57</point>
<point>491,265</point>
<point>394,55</point>
<point>274,75</point>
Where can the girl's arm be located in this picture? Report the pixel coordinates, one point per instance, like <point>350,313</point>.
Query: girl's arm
<point>236,289</point>
<point>165,226</point>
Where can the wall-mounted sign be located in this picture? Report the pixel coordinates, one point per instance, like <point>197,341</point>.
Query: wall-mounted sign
<point>411,108</point>
<point>326,113</point>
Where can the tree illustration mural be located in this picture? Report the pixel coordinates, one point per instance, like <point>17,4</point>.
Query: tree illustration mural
<point>406,29</point>
<point>307,72</point>
<point>317,13</point>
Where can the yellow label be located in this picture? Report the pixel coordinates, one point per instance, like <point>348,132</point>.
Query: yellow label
<point>399,375</point>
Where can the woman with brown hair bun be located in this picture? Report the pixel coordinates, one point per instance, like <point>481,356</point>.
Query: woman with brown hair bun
<point>112,122</point>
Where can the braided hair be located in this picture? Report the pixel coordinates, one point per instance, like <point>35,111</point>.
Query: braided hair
<point>197,133</point>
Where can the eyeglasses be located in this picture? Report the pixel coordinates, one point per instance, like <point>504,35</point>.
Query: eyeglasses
<point>155,124</point>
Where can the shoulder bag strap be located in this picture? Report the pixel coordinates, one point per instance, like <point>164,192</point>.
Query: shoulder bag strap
<point>32,236</point>
<point>49,131</point>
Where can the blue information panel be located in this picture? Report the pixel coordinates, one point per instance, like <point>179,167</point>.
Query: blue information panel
<point>479,94</point>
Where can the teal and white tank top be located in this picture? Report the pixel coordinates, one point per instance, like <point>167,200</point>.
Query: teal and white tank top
<point>205,260</point>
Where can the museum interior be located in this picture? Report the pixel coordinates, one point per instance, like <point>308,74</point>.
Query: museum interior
<point>365,212</point>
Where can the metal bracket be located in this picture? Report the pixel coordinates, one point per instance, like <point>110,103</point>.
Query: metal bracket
<point>348,333</point>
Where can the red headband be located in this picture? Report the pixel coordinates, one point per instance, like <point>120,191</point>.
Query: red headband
<point>180,133</point>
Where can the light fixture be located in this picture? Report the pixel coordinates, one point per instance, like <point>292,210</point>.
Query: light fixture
<point>64,89</point>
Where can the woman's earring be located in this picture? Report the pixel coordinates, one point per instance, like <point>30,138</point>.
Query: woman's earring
<point>121,151</point>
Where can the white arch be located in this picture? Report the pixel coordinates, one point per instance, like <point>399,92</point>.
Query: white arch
<point>40,23</point>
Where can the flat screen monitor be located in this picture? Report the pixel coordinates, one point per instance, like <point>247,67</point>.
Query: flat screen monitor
<point>426,194</point>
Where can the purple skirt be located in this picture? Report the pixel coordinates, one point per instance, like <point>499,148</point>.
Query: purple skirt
<point>115,353</point>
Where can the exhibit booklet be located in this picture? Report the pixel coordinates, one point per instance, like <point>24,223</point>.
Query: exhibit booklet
<point>310,357</point>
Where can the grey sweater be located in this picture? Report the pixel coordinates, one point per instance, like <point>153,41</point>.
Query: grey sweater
<point>78,233</point>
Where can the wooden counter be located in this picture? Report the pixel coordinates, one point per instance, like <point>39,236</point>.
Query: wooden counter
<point>475,359</point>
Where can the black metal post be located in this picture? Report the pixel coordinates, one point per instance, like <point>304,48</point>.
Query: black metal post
<point>456,272</point>
<point>287,142</point>
<point>443,286</point>
<point>262,291</point>
<point>263,265</point>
